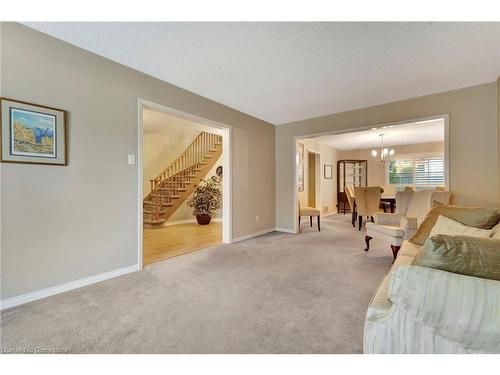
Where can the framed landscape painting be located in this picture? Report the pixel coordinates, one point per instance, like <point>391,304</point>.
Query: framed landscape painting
<point>32,133</point>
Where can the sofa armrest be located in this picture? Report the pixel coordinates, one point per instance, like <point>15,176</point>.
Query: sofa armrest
<point>459,308</point>
<point>386,218</point>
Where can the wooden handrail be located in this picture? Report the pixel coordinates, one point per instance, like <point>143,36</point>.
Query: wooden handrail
<point>175,175</point>
<point>196,150</point>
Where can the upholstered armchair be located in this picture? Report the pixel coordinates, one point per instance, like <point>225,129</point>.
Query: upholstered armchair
<point>411,207</point>
<point>367,202</point>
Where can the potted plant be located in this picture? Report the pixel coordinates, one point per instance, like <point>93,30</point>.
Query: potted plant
<point>207,198</point>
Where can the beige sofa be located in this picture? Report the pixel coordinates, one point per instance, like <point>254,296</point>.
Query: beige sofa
<point>424,310</point>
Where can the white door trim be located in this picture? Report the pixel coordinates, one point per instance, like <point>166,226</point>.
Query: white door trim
<point>318,203</point>
<point>227,140</point>
<point>444,116</point>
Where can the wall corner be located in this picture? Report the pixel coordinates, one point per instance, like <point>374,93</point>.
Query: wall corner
<point>498,137</point>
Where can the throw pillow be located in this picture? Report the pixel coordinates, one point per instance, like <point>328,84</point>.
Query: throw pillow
<point>484,218</point>
<point>472,256</point>
<point>496,231</point>
<point>445,225</point>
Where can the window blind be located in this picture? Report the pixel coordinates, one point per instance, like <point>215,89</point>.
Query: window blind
<point>429,171</point>
<point>419,172</point>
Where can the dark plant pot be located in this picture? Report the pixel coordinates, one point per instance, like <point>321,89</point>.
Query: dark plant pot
<point>203,219</point>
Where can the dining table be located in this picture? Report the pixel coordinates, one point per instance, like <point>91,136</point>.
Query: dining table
<point>391,201</point>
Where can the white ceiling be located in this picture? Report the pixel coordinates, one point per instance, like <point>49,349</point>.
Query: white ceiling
<point>282,72</point>
<point>394,135</point>
<point>158,122</point>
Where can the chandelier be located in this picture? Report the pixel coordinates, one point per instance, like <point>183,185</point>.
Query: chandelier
<point>384,153</point>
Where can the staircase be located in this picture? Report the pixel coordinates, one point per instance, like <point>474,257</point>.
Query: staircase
<point>176,183</point>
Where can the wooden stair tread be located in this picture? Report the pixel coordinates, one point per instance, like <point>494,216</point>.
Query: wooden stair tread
<point>162,212</point>
<point>154,222</point>
<point>175,184</point>
<point>165,204</point>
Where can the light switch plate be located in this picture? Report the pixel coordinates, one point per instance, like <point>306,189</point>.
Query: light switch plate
<point>131,159</point>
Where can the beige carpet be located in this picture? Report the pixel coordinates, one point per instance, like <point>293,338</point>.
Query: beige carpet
<point>278,293</point>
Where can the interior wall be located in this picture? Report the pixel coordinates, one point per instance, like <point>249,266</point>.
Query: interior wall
<point>165,138</point>
<point>328,155</point>
<point>474,167</point>
<point>498,133</point>
<point>377,175</point>
<point>61,224</point>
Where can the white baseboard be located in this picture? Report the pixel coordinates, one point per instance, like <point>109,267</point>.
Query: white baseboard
<point>177,222</point>
<point>28,297</point>
<point>47,292</point>
<point>285,230</point>
<point>252,235</point>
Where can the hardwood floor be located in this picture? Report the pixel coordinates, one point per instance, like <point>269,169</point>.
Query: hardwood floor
<point>179,239</point>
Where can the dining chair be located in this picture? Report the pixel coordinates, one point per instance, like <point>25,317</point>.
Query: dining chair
<point>384,205</point>
<point>310,211</point>
<point>349,192</point>
<point>367,202</point>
